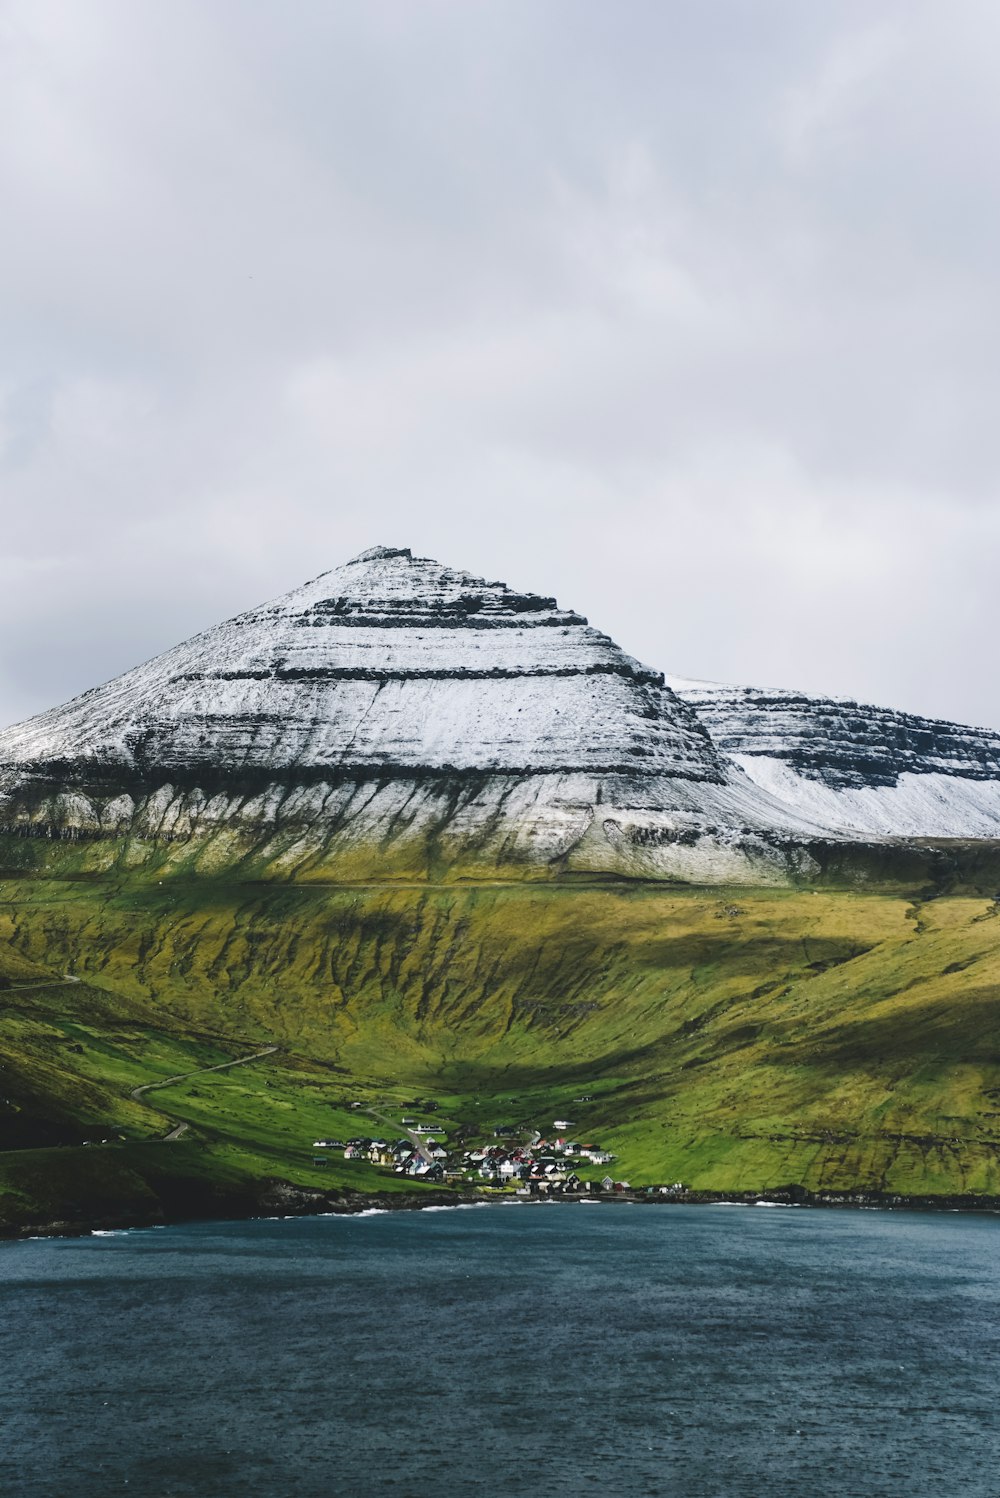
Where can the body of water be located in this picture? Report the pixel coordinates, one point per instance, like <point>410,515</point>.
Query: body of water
<point>512,1351</point>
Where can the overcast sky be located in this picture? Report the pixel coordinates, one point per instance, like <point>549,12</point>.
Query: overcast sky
<point>688,313</point>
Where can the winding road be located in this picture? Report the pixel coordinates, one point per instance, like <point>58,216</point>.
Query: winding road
<point>137,1092</point>
<point>418,1143</point>
<point>46,983</point>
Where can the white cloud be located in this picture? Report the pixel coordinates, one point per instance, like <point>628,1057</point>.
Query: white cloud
<point>827,111</point>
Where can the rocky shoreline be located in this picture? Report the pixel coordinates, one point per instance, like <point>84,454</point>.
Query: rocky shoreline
<point>280,1200</point>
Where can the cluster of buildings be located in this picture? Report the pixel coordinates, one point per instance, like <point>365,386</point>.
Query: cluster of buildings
<point>540,1165</point>
<point>426,1160</point>
<point>543,1166</point>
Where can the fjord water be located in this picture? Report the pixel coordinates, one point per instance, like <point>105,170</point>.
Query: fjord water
<point>518,1352</point>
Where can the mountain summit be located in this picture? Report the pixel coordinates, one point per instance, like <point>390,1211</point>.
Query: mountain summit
<point>392,663</point>
<point>396,717</point>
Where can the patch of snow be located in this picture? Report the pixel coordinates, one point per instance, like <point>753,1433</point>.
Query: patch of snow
<point>918,805</point>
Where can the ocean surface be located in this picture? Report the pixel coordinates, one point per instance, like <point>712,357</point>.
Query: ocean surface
<point>552,1351</point>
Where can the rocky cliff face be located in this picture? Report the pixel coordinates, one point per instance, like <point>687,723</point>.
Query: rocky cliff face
<point>855,767</point>
<point>395,713</point>
<point>391,663</point>
<point>397,718</point>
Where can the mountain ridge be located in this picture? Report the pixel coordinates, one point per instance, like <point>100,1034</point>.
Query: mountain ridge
<point>856,767</point>
<point>397,711</point>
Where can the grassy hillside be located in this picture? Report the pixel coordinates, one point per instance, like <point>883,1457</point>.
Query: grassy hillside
<point>732,1040</point>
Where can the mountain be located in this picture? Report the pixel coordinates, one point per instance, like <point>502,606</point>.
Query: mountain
<point>417,793</point>
<point>395,715</point>
<point>392,663</point>
<point>855,768</point>
<point>396,718</point>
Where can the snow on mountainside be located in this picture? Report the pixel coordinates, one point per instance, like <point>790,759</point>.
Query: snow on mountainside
<point>398,715</point>
<point>392,663</point>
<point>854,767</point>
<point>394,705</point>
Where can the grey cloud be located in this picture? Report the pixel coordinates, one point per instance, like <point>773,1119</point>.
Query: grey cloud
<point>686,313</point>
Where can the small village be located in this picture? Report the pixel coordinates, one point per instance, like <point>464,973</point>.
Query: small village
<point>537,1167</point>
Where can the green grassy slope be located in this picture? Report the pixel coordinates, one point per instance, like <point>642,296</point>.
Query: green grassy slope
<point>75,1144</point>
<point>733,1040</point>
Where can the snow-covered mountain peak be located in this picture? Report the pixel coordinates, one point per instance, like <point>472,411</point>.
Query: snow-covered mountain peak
<point>393,663</point>
<point>398,706</point>
<point>388,580</point>
<point>380,553</point>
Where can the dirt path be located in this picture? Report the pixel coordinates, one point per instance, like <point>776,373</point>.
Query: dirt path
<point>47,983</point>
<point>137,1092</point>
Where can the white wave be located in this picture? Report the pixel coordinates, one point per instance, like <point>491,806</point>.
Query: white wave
<point>458,1207</point>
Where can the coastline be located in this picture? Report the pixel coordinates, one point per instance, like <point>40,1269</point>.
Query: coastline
<point>280,1201</point>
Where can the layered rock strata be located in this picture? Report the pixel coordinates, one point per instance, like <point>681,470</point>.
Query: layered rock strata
<point>396,712</point>
<point>398,718</point>
<point>390,663</point>
<point>854,767</point>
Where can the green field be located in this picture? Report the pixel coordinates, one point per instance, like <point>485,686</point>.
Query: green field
<point>731,1039</point>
